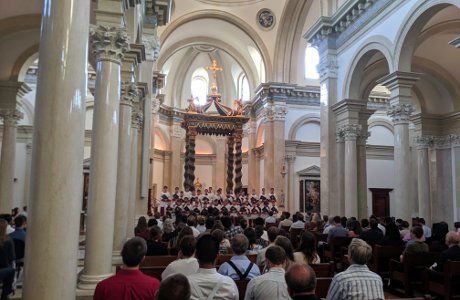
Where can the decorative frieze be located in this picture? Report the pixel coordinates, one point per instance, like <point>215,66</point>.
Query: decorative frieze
<point>152,46</point>
<point>109,43</point>
<point>137,119</point>
<point>437,142</point>
<point>400,113</point>
<point>177,131</point>
<point>11,117</point>
<point>155,106</point>
<point>328,67</point>
<point>424,142</point>
<point>275,113</point>
<point>290,157</point>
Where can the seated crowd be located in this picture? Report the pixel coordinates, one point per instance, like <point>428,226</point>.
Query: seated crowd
<point>281,269</point>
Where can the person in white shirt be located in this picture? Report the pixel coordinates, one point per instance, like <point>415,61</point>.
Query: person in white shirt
<point>298,221</point>
<point>191,222</point>
<point>187,264</point>
<point>270,219</point>
<point>272,284</point>
<point>207,283</point>
<point>426,229</point>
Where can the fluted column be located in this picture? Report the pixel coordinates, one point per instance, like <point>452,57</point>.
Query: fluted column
<point>400,114</point>
<point>10,119</point>
<point>351,132</point>
<point>238,162</point>
<point>137,120</point>
<point>290,159</point>
<point>109,44</point>
<point>128,95</point>
<point>423,176</point>
<point>337,207</point>
<point>230,155</point>
<point>57,154</point>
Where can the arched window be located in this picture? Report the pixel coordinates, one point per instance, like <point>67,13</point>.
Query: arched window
<point>199,85</point>
<point>243,88</point>
<point>311,63</point>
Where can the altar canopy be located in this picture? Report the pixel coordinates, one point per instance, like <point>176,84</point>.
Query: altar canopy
<point>228,122</point>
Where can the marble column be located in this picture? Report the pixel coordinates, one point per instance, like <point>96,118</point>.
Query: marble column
<point>338,208</point>
<point>364,115</point>
<point>252,160</point>
<point>109,45</point>
<point>177,135</point>
<point>238,161</point>
<point>10,119</point>
<point>269,168</point>
<point>136,125</point>
<point>230,155</point>
<point>423,176</point>
<point>57,155</point>
<point>128,95</point>
<point>400,114</point>
<point>351,132</point>
<point>290,207</point>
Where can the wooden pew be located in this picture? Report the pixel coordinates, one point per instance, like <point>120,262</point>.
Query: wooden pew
<point>446,283</point>
<point>158,261</point>
<point>410,272</point>
<point>322,286</point>
<point>381,256</point>
<point>324,269</point>
<point>334,251</point>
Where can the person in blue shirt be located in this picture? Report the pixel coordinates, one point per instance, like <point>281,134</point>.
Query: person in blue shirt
<point>20,224</point>
<point>239,267</point>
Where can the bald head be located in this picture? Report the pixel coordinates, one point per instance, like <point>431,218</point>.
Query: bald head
<point>452,238</point>
<point>300,279</point>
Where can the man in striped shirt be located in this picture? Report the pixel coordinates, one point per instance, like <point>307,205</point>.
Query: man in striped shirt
<point>357,282</point>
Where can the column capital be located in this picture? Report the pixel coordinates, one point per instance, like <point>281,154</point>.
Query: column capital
<point>351,131</point>
<point>155,105</point>
<point>129,93</point>
<point>109,43</point>
<point>400,113</point>
<point>11,117</point>
<point>177,131</point>
<point>275,112</point>
<point>137,119</point>
<point>290,158</point>
<point>328,67</point>
<point>29,148</point>
<point>362,137</point>
<point>423,142</point>
<point>339,136</point>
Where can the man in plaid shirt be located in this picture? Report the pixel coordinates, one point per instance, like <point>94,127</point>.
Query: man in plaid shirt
<point>230,231</point>
<point>357,282</point>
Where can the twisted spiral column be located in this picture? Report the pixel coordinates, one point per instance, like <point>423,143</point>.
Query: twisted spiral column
<point>238,162</point>
<point>186,162</point>
<point>189,172</point>
<point>230,144</point>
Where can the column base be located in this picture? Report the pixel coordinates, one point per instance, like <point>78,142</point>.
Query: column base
<point>116,258</point>
<point>89,282</point>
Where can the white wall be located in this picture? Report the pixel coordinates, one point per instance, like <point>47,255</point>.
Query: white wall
<point>380,174</point>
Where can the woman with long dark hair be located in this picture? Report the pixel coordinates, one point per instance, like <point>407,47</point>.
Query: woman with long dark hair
<point>142,229</point>
<point>306,253</point>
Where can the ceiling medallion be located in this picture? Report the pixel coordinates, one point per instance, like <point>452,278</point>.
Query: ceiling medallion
<point>266,19</point>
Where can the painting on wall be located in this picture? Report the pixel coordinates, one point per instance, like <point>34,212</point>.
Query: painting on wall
<point>312,196</point>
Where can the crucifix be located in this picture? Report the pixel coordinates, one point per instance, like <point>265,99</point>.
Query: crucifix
<point>214,70</point>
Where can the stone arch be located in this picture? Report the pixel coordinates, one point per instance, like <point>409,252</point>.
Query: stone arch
<point>355,86</point>
<point>309,118</point>
<point>231,19</point>
<point>163,136</point>
<point>408,32</point>
<point>381,122</point>
<point>260,134</point>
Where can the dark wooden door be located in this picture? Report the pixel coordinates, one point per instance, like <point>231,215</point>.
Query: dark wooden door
<point>380,202</point>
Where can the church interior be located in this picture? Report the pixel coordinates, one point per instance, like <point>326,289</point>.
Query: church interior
<point>350,108</point>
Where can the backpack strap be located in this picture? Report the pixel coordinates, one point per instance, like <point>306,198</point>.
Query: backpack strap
<point>241,275</point>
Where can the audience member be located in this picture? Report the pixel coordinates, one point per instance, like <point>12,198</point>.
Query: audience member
<point>19,232</point>
<point>224,243</point>
<point>452,253</point>
<point>157,217</point>
<point>8,218</point>
<point>270,219</point>
<point>286,244</point>
<point>417,243</point>
<point>24,212</point>
<point>437,242</point>
<point>7,257</point>
<point>272,284</point>
<point>187,264</point>
<point>301,282</point>
<point>259,240</point>
<point>201,224</point>
<point>174,287</point>
<point>129,282</point>
<point>373,235</point>
<point>259,221</point>
<point>356,282</point>
<point>191,222</point>
<point>404,229</point>
<point>243,223</point>
<point>306,252</point>
<point>272,233</point>
<point>155,245</point>
<point>284,220</point>
<point>207,283</point>
<point>168,230</point>
<point>457,227</point>
<point>354,228</point>
<point>142,229</point>
<point>364,224</point>
<point>209,223</point>
<point>298,221</point>
<point>230,230</point>
<point>239,267</point>
<point>391,237</point>
<point>151,222</point>
<point>336,230</point>
<point>426,229</point>
<point>253,248</point>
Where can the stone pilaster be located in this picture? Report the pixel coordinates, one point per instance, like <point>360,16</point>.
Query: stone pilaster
<point>351,133</point>
<point>109,43</point>
<point>177,136</point>
<point>290,205</point>
<point>338,206</point>
<point>10,119</point>
<point>423,143</point>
